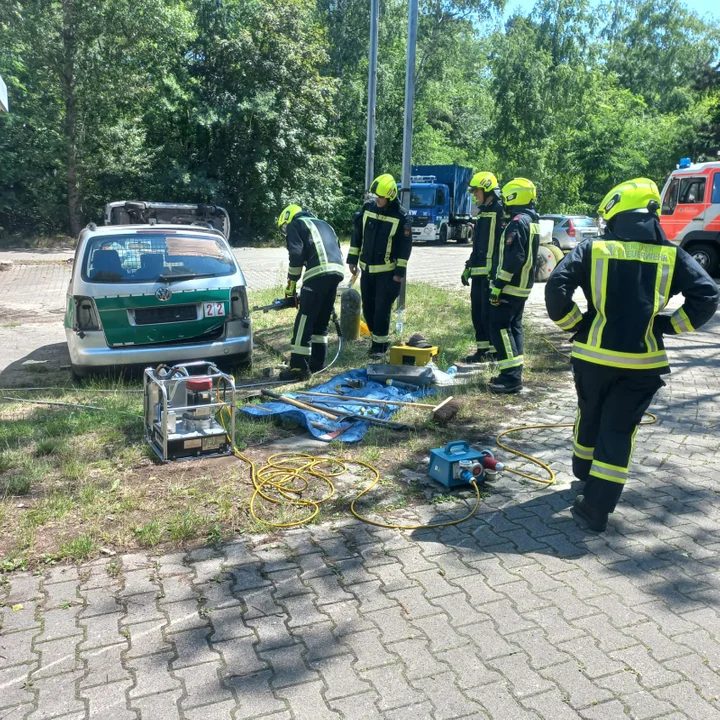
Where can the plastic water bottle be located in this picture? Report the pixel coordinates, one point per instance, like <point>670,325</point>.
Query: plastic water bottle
<point>398,322</point>
<point>451,370</point>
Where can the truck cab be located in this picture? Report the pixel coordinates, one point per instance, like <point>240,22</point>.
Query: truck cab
<point>440,206</point>
<point>690,211</point>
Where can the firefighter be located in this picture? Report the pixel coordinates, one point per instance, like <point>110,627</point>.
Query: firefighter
<point>486,240</point>
<point>381,243</point>
<point>511,279</point>
<point>311,244</point>
<point>627,276</point>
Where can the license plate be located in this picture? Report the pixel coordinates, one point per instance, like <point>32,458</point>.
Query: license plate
<point>213,309</point>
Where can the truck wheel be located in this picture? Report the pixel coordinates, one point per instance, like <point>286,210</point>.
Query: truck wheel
<point>444,234</point>
<point>706,256</point>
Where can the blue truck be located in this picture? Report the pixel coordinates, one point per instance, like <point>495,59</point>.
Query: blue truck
<point>440,206</point>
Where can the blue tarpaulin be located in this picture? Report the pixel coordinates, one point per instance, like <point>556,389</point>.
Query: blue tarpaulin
<point>351,430</point>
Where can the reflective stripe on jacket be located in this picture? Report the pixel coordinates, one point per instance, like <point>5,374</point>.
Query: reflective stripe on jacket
<point>486,237</point>
<point>312,244</point>
<point>514,269</point>
<point>627,283</point>
<point>381,240</point>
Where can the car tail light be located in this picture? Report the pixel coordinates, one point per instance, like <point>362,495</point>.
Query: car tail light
<point>86,315</point>
<point>571,228</point>
<point>239,309</point>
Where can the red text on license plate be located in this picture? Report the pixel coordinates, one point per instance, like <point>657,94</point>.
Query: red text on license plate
<point>213,309</point>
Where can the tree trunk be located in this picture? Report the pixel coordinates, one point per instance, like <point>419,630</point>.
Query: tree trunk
<point>73,192</point>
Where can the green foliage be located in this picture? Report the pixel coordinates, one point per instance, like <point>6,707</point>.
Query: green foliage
<point>253,103</point>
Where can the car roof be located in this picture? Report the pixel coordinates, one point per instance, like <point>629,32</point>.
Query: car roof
<point>92,230</point>
<point>696,169</point>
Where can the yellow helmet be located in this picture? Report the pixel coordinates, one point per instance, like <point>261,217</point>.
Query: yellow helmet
<point>288,214</point>
<point>519,191</point>
<point>484,180</point>
<point>634,194</point>
<point>384,186</point>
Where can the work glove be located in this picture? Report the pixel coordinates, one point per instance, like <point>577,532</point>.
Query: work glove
<point>290,288</point>
<point>465,277</point>
<point>495,295</point>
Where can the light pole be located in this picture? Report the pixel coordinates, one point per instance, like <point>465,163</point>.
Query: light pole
<point>408,128</point>
<point>372,92</point>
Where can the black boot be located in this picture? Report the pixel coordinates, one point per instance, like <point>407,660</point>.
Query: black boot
<point>294,374</point>
<point>479,356</point>
<point>594,519</point>
<point>505,384</point>
<point>377,351</point>
<point>318,356</point>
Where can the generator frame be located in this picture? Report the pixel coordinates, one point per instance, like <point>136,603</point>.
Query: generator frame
<point>179,374</point>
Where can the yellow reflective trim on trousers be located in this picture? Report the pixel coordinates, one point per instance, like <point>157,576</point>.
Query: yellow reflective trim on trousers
<point>570,320</point>
<point>324,270</point>
<point>377,268</point>
<point>297,337</point>
<point>319,339</point>
<point>380,338</point>
<point>611,358</point>
<point>300,350</point>
<point>510,363</point>
<point>609,472</point>
<point>582,451</point>
<point>681,322</point>
<point>507,345</point>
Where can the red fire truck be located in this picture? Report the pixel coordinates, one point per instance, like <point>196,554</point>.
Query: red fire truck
<point>690,213</point>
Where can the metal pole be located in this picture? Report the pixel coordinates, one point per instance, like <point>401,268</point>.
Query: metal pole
<point>409,113</point>
<point>372,92</point>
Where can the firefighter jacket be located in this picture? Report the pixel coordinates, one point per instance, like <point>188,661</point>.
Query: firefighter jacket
<point>486,237</point>
<point>312,243</point>
<point>381,239</point>
<point>628,276</point>
<point>513,268</point>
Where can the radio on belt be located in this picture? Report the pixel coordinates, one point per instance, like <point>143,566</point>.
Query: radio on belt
<point>458,464</point>
<point>181,405</point>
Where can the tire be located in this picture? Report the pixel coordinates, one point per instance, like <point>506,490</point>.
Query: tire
<point>78,372</point>
<point>557,252</point>
<point>444,234</point>
<point>465,240</point>
<point>705,255</point>
<point>556,243</point>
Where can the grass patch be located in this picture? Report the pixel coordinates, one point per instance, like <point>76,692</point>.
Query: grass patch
<point>74,480</point>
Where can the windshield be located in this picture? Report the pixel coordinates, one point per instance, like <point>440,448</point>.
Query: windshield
<point>155,256</point>
<point>422,197</point>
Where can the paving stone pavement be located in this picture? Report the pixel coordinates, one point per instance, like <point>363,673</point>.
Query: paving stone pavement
<point>517,614</point>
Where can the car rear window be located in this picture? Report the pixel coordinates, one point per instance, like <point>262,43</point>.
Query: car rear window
<point>155,256</point>
<point>583,222</point>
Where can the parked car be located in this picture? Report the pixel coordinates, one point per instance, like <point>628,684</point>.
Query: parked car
<point>145,294</point>
<point>569,230</point>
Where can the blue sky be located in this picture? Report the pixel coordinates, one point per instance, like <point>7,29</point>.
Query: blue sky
<point>701,7</point>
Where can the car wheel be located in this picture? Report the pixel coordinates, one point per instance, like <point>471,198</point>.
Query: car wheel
<point>706,256</point>
<point>443,234</point>
<point>556,243</point>
<point>78,372</point>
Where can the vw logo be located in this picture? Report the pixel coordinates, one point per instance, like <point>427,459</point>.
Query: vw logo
<point>163,294</point>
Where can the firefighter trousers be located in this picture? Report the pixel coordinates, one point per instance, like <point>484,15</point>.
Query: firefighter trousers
<point>308,346</point>
<point>611,404</point>
<point>480,308</point>
<point>506,336</point>
<point>379,291</point>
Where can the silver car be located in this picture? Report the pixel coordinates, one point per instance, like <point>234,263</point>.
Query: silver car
<point>569,230</point>
<point>155,293</point>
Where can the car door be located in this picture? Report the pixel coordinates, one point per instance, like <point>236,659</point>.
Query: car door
<point>683,207</point>
<point>712,211</point>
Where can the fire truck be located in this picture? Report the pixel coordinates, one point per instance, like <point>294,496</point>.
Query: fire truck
<point>690,212</point>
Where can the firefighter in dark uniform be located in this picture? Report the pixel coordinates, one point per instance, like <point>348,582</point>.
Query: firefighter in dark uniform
<point>311,244</point>
<point>381,243</point>
<point>486,241</point>
<point>627,276</point>
<point>511,279</point>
